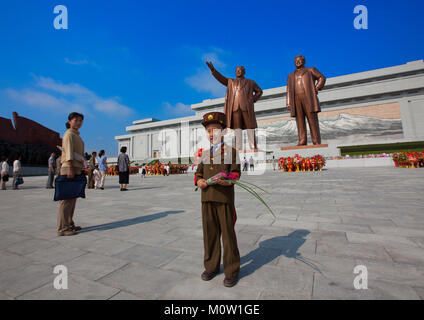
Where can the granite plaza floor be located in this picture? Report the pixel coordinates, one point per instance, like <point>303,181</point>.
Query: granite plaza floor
<point>147,243</point>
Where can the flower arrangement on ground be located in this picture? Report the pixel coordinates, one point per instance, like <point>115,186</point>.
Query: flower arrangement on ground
<point>298,163</point>
<point>408,159</point>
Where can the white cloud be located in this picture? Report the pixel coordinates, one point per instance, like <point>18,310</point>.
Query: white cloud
<point>54,95</point>
<point>35,98</point>
<point>76,62</point>
<point>56,86</point>
<point>202,80</point>
<point>213,56</point>
<point>179,109</point>
<point>112,107</point>
<point>81,62</point>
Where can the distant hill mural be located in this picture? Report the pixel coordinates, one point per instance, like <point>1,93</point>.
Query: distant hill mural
<point>344,126</point>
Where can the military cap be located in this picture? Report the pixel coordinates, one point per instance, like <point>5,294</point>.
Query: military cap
<point>215,117</point>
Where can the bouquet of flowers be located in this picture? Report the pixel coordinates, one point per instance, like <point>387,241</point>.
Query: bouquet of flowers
<point>232,178</point>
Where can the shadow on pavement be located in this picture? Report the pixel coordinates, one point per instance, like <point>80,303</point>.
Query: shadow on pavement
<point>272,248</point>
<point>130,222</point>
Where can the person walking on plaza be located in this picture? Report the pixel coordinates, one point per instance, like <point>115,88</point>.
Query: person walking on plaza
<point>51,171</point>
<point>123,169</point>
<point>72,145</point>
<point>218,210</point>
<point>274,162</point>
<point>91,167</point>
<point>143,170</point>
<point>252,164</point>
<point>244,164</point>
<point>4,172</point>
<point>103,168</point>
<point>17,172</point>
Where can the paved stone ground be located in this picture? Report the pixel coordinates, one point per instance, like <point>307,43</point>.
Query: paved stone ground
<point>147,243</point>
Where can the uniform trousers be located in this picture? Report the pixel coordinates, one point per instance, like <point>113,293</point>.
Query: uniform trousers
<point>218,220</point>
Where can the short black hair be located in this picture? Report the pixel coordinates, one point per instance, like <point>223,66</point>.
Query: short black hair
<point>102,152</point>
<point>73,115</point>
<point>123,149</point>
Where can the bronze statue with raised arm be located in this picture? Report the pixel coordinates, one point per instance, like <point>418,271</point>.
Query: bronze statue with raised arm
<point>302,87</point>
<point>241,95</point>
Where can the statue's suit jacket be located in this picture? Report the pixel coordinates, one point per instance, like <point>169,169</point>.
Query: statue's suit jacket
<point>309,76</point>
<point>246,98</point>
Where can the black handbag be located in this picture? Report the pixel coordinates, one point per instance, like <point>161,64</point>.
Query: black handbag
<point>5,178</point>
<point>19,180</point>
<point>66,189</point>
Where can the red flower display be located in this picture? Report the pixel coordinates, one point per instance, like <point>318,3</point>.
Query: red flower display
<point>408,159</point>
<point>298,163</point>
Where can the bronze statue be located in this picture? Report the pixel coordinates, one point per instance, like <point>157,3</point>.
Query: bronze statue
<point>241,95</point>
<point>302,99</point>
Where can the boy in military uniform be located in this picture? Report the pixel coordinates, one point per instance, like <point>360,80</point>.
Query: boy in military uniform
<point>218,211</point>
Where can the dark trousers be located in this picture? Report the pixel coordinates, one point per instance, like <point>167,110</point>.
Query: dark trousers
<point>301,112</point>
<point>219,220</point>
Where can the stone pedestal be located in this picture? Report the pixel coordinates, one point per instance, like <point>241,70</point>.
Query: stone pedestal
<point>250,151</point>
<point>324,150</point>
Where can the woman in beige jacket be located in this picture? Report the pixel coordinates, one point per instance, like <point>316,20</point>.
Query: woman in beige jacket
<point>72,165</point>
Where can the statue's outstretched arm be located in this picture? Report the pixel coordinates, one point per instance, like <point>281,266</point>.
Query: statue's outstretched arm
<point>216,74</point>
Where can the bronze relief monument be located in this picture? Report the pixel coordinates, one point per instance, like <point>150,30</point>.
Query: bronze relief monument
<point>302,87</point>
<point>240,97</point>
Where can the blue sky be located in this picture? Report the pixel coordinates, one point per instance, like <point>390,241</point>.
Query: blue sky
<point>125,60</point>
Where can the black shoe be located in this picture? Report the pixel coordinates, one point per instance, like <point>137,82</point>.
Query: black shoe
<point>230,282</point>
<point>102,188</point>
<point>122,189</point>
<point>206,276</point>
<point>125,189</point>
